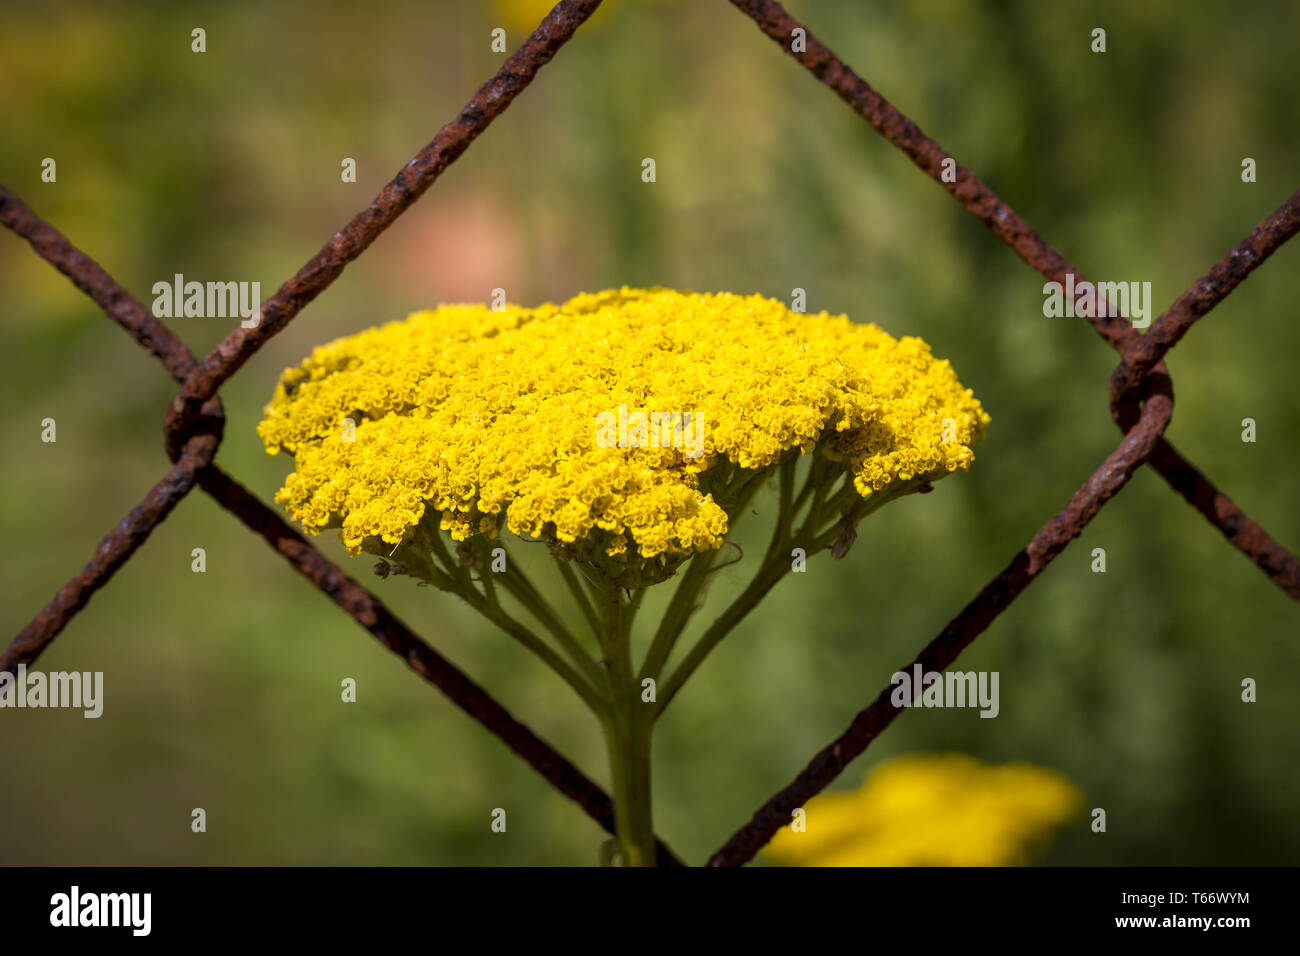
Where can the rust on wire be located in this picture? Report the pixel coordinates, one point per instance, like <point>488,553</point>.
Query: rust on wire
<point>1212,288</point>
<point>1007,225</point>
<point>1050,541</point>
<point>887,120</point>
<point>112,553</point>
<point>118,304</point>
<point>1140,389</point>
<point>388,629</point>
<point>364,607</point>
<point>135,528</point>
<point>86,275</point>
<point>1144,429</point>
<point>406,187</point>
<point>1242,532</point>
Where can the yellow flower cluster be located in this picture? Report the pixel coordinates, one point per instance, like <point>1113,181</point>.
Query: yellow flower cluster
<point>481,415</point>
<point>933,810</point>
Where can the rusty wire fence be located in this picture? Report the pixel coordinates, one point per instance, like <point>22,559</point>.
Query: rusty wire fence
<point>1140,394</point>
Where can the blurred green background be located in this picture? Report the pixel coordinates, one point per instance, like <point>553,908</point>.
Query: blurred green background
<point>222,689</point>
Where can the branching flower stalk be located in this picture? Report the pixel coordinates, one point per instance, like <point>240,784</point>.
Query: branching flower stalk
<point>424,439</point>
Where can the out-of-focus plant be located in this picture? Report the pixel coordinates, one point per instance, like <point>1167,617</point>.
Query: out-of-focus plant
<point>932,810</point>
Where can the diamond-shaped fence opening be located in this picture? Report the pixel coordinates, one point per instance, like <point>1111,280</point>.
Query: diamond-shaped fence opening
<point>1140,396</point>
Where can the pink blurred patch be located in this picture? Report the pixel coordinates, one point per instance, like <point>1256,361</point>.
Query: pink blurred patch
<point>457,249</point>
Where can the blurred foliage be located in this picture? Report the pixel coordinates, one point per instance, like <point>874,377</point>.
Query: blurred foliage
<point>222,689</point>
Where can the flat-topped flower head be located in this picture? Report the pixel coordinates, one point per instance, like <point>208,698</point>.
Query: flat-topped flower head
<point>619,424</point>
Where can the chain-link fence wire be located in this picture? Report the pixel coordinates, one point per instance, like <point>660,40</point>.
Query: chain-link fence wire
<point>1140,395</point>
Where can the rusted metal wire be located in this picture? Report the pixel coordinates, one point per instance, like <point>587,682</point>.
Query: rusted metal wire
<point>1147,350</point>
<point>363,606</point>
<point>112,553</point>
<point>388,629</point>
<point>86,274</point>
<point>1142,354</point>
<point>1144,441</point>
<point>1141,395</point>
<point>1240,530</point>
<point>1282,567</point>
<point>366,226</point>
<point>963,185</point>
<point>194,459</point>
<point>118,304</point>
<point>973,620</point>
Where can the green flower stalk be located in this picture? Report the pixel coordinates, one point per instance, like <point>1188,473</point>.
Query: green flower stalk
<point>628,431</point>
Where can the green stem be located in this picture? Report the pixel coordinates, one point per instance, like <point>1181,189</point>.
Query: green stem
<point>456,580</point>
<point>678,612</point>
<point>522,590</point>
<point>806,490</point>
<point>590,695</point>
<point>579,595</point>
<point>627,732</point>
<point>764,581</point>
<point>785,510</point>
<point>686,599</point>
<point>775,566</point>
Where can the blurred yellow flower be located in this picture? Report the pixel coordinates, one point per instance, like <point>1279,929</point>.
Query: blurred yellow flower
<point>933,810</point>
<point>485,416</point>
<point>521,17</point>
